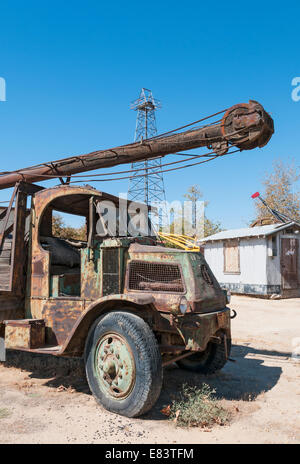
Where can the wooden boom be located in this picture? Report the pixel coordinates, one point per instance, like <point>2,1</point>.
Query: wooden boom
<point>245,126</point>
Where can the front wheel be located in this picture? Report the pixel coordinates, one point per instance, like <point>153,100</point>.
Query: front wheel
<point>209,361</point>
<point>123,364</point>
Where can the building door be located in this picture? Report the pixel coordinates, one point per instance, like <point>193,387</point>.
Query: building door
<point>289,263</point>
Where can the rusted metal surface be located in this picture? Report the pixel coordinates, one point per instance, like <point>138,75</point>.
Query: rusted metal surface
<point>140,304</point>
<point>192,334</point>
<point>60,315</point>
<point>24,333</point>
<point>90,274</point>
<point>246,126</point>
<point>67,284</point>
<point>202,292</point>
<point>239,118</point>
<point>66,199</point>
<point>195,330</point>
<point>111,271</point>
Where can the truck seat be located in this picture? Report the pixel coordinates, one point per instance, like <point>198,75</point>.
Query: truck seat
<point>62,253</point>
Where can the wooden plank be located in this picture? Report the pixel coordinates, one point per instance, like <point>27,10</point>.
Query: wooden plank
<point>231,257</point>
<point>4,276</point>
<point>5,253</point>
<point>17,279</point>
<point>7,216</point>
<point>7,245</point>
<point>4,284</point>
<point>4,268</point>
<point>8,239</point>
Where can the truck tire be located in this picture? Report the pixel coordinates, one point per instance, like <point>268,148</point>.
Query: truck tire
<point>209,361</point>
<point>123,364</point>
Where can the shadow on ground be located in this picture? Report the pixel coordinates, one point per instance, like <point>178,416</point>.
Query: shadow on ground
<point>243,379</point>
<point>57,371</point>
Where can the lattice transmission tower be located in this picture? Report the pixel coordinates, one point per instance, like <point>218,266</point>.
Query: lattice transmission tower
<point>149,188</point>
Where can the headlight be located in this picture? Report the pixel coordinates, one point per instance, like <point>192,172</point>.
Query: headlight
<point>227,294</point>
<point>183,305</point>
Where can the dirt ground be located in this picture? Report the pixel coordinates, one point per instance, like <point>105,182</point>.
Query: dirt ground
<point>47,400</point>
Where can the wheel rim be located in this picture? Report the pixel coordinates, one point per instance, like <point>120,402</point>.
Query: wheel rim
<point>115,366</point>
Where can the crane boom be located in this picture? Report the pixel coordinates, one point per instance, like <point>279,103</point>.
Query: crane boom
<point>245,126</point>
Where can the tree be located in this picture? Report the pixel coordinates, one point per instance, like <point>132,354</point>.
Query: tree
<point>193,194</point>
<point>59,229</point>
<point>210,227</point>
<point>280,192</point>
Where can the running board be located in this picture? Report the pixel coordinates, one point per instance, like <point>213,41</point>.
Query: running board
<point>46,349</point>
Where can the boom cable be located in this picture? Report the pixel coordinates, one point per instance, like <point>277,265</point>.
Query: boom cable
<point>161,171</point>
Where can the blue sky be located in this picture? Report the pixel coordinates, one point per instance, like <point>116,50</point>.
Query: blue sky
<point>72,69</point>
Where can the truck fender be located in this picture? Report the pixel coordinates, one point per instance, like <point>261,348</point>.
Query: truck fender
<point>74,345</point>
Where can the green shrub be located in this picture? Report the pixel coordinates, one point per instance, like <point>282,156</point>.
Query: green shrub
<point>197,407</point>
<point>4,413</point>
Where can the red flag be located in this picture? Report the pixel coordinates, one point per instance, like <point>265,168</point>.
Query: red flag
<point>255,195</point>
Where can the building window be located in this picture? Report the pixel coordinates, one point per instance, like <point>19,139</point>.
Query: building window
<point>231,257</point>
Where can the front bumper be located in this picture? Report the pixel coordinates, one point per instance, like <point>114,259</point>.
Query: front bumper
<point>196,330</point>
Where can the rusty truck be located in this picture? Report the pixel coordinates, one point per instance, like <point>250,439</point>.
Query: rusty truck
<point>122,301</point>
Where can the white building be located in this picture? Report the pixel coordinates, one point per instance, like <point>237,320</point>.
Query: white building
<point>263,260</point>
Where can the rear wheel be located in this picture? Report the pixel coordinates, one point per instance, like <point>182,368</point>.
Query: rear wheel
<point>209,361</point>
<point>123,364</point>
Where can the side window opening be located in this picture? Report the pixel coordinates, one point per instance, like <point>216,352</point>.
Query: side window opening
<point>69,226</point>
<point>63,235</point>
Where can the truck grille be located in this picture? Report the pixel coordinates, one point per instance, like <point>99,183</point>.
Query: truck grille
<point>156,277</point>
